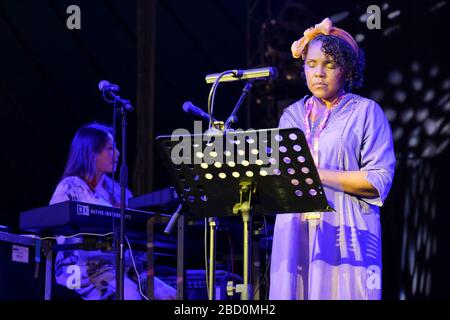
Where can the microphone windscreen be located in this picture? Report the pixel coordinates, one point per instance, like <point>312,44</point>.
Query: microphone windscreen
<point>186,106</point>
<point>273,73</point>
<point>103,85</point>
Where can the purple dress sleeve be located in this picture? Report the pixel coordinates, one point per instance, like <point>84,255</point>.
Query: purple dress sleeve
<point>377,153</point>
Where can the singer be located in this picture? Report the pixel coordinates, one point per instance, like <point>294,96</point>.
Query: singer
<point>335,255</point>
<point>92,158</point>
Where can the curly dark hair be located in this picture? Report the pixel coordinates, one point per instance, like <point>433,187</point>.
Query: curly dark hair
<point>345,57</point>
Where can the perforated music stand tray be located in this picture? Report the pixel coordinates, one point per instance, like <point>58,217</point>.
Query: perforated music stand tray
<point>208,186</point>
<point>270,171</point>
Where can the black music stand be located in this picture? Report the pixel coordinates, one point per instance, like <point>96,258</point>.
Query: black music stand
<point>267,171</point>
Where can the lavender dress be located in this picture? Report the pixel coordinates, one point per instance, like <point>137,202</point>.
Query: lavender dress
<point>339,255</point>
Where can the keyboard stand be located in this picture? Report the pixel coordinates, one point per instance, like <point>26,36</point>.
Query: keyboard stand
<point>49,249</point>
<point>157,218</point>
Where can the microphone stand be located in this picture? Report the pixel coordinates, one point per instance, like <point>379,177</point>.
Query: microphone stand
<point>123,187</point>
<point>119,235</point>
<point>220,126</point>
<point>232,118</point>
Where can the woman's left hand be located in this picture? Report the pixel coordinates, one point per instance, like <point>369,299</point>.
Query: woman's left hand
<point>353,182</point>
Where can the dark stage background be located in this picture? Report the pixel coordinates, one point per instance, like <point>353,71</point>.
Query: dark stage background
<point>159,53</point>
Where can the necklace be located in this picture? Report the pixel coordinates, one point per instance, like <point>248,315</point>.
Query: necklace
<point>313,140</point>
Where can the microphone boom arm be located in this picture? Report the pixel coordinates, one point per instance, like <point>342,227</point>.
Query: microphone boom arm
<point>232,118</point>
<point>124,102</point>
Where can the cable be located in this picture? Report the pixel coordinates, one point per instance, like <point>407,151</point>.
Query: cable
<point>230,242</point>
<point>206,257</point>
<point>135,270</point>
<point>264,277</point>
<point>71,236</point>
<point>268,255</point>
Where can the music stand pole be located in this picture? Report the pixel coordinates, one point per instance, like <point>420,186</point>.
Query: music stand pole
<point>212,258</point>
<point>246,219</point>
<point>246,189</point>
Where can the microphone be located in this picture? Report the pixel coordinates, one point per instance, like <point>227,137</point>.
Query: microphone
<point>106,85</point>
<point>173,221</point>
<point>191,108</point>
<point>269,73</point>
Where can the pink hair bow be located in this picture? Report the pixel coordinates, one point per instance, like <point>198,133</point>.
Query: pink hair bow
<point>326,28</point>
